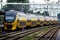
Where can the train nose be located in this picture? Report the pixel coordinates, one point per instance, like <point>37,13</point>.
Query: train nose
<point>9,26</point>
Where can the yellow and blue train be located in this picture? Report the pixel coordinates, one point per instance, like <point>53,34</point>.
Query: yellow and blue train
<point>14,20</point>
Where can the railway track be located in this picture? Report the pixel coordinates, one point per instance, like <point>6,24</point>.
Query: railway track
<point>18,35</point>
<point>49,35</point>
<point>18,31</point>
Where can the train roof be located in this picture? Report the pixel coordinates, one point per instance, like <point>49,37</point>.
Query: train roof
<point>41,16</point>
<point>21,14</point>
<point>11,12</point>
<point>29,16</point>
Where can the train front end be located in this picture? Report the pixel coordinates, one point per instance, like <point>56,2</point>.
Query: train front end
<point>10,20</point>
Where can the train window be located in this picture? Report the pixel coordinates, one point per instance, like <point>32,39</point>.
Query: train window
<point>22,23</point>
<point>34,22</point>
<point>10,16</point>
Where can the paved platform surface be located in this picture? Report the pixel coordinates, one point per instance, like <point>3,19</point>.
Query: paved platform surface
<point>58,35</point>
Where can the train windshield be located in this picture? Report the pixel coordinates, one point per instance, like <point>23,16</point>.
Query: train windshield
<point>10,16</point>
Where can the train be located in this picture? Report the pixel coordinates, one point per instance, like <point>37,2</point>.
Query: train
<point>14,19</point>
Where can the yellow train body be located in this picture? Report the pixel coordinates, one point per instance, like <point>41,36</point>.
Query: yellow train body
<point>33,22</point>
<point>28,24</point>
<point>41,21</point>
<point>23,22</point>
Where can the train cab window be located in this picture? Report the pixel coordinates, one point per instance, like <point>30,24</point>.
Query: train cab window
<point>10,16</point>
